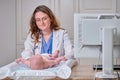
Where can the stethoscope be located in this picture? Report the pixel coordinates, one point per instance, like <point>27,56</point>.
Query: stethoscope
<point>35,47</point>
<point>35,44</point>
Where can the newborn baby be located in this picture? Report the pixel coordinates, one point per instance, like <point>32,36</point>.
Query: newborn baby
<point>38,61</point>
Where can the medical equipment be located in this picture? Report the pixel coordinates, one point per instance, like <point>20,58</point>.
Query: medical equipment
<point>96,33</point>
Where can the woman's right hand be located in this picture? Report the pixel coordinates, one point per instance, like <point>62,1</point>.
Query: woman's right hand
<point>22,60</point>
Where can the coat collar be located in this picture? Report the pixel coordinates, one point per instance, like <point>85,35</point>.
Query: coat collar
<point>55,44</point>
<point>56,41</point>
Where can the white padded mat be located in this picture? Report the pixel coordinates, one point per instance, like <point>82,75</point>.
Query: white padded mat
<point>20,71</point>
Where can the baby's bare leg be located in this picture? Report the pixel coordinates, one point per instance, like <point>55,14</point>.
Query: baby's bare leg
<point>50,63</point>
<point>55,55</point>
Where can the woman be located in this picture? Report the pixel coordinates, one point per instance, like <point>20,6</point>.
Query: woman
<point>46,36</point>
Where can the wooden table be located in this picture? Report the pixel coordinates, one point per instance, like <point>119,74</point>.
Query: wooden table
<point>83,72</point>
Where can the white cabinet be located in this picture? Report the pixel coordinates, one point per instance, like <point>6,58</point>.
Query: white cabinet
<point>64,11</point>
<point>97,6</point>
<point>118,6</point>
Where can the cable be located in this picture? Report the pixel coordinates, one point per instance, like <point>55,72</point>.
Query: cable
<point>117,71</point>
<point>100,53</point>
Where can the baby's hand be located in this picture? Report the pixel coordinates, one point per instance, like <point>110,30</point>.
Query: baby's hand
<point>54,55</point>
<point>18,60</point>
<point>51,58</point>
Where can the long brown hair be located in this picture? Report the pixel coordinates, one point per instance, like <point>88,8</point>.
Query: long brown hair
<point>35,31</point>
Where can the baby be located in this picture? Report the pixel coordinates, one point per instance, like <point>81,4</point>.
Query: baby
<point>38,61</point>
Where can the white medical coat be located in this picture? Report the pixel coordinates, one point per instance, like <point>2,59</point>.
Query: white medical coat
<point>60,42</point>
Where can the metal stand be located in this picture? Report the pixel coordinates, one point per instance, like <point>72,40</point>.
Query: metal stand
<point>107,56</point>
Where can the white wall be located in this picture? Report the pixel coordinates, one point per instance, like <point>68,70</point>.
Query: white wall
<point>7,32</point>
<point>118,6</point>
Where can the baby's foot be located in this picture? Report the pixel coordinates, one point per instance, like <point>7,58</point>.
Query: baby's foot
<point>59,59</point>
<point>55,55</point>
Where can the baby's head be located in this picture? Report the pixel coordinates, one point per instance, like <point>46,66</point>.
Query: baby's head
<point>36,62</point>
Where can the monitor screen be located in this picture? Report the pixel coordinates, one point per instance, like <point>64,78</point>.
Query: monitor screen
<point>88,33</point>
<point>95,34</point>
